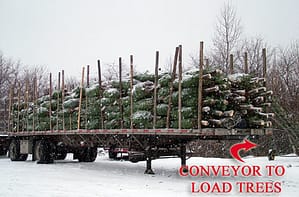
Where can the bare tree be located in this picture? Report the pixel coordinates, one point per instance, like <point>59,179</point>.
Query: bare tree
<point>227,35</point>
<point>254,46</point>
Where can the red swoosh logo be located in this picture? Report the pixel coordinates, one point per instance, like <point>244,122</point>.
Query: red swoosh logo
<point>246,145</point>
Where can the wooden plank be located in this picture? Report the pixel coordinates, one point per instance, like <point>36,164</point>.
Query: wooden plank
<point>199,116</point>
<point>173,76</point>
<point>155,89</point>
<point>180,88</point>
<point>131,96</point>
<point>80,100</point>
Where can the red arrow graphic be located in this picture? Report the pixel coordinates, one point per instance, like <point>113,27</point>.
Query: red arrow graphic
<point>246,145</point>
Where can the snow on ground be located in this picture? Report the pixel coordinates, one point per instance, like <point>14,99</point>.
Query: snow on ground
<point>122,178</point>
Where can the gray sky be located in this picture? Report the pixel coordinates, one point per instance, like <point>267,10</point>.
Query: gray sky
<point>68,34</point>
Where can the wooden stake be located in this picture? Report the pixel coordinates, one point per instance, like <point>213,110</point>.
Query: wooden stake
<point>35,101</point>
<point>80,101</point>
<point>131,86</point>
<point>100,94</point>
<point>264,63</point>
<point>173,76</point>
<point>62,98</point>
<point>199,117</point>
<point>19,98</point>
<point>86,97</point>
<point>27,102</point>
<point>246,63</point>
<point>180,87</point>
<point>58,89</point>
<point>120,95</point>
<point>50,106</point>
<point>155,90</point>
<point>87,76</point>
<point>9,108</point>
<point>231,64</point>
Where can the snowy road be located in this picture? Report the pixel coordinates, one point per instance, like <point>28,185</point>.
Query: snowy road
<point>121,178</point>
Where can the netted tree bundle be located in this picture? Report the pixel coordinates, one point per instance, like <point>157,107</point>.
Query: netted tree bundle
<point>187,112</point>
<point>142,120</point>
<point>162,109</point>
<point>186,123</point>
<point>93,91</point>
<point>143,90</point>
<point>71,103</point>
<point>165,80</point>
<point>144,105</point>
<point>111,93</point>
<point>145,77</point>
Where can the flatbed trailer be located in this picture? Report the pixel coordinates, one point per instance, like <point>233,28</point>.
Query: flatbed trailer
<point>142,144</point>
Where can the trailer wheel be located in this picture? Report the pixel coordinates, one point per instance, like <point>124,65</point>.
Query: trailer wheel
<point>88,154</point>
<point>14,152</point>
<point>43,152</point>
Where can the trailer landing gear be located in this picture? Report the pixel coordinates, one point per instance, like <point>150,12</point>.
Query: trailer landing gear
<point>148,155</point>
<point>183,157</point>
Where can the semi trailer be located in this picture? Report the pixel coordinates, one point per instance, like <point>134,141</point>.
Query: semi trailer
<point>143,117</point>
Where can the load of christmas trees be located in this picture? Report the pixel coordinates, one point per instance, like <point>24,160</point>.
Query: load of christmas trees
<point>234,101</point>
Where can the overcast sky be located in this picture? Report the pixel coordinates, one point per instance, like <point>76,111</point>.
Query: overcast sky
<point>68,34</point>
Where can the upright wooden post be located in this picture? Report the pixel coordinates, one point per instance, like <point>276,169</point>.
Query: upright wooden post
<point>246,63</point>
<point>19,102</point>
<point>207,63</point>
<point>264,63</point>
<point>180,87</point>
<point>58,97</point>
<point>27,102</point>
<point>100,94</point>
<point>62,98</point>
<point>86,97</point>
<point>155,90</point>
<point>199,117</point>
<point>173,75</point>
<point>50,105</point>
<point>120,94</point>
<point>231,64</point>
<point>9,109</point>
<point>80,101</point>
<point>87,76</point>
<point>35,101</point>
<point>131,86</point>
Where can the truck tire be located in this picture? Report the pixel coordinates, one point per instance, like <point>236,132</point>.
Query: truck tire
<point>88,154</point>
<point>43,152</point>
<point>14,152</point>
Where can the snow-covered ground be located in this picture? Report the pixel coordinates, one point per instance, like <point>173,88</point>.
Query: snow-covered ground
<point>122,178</point>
